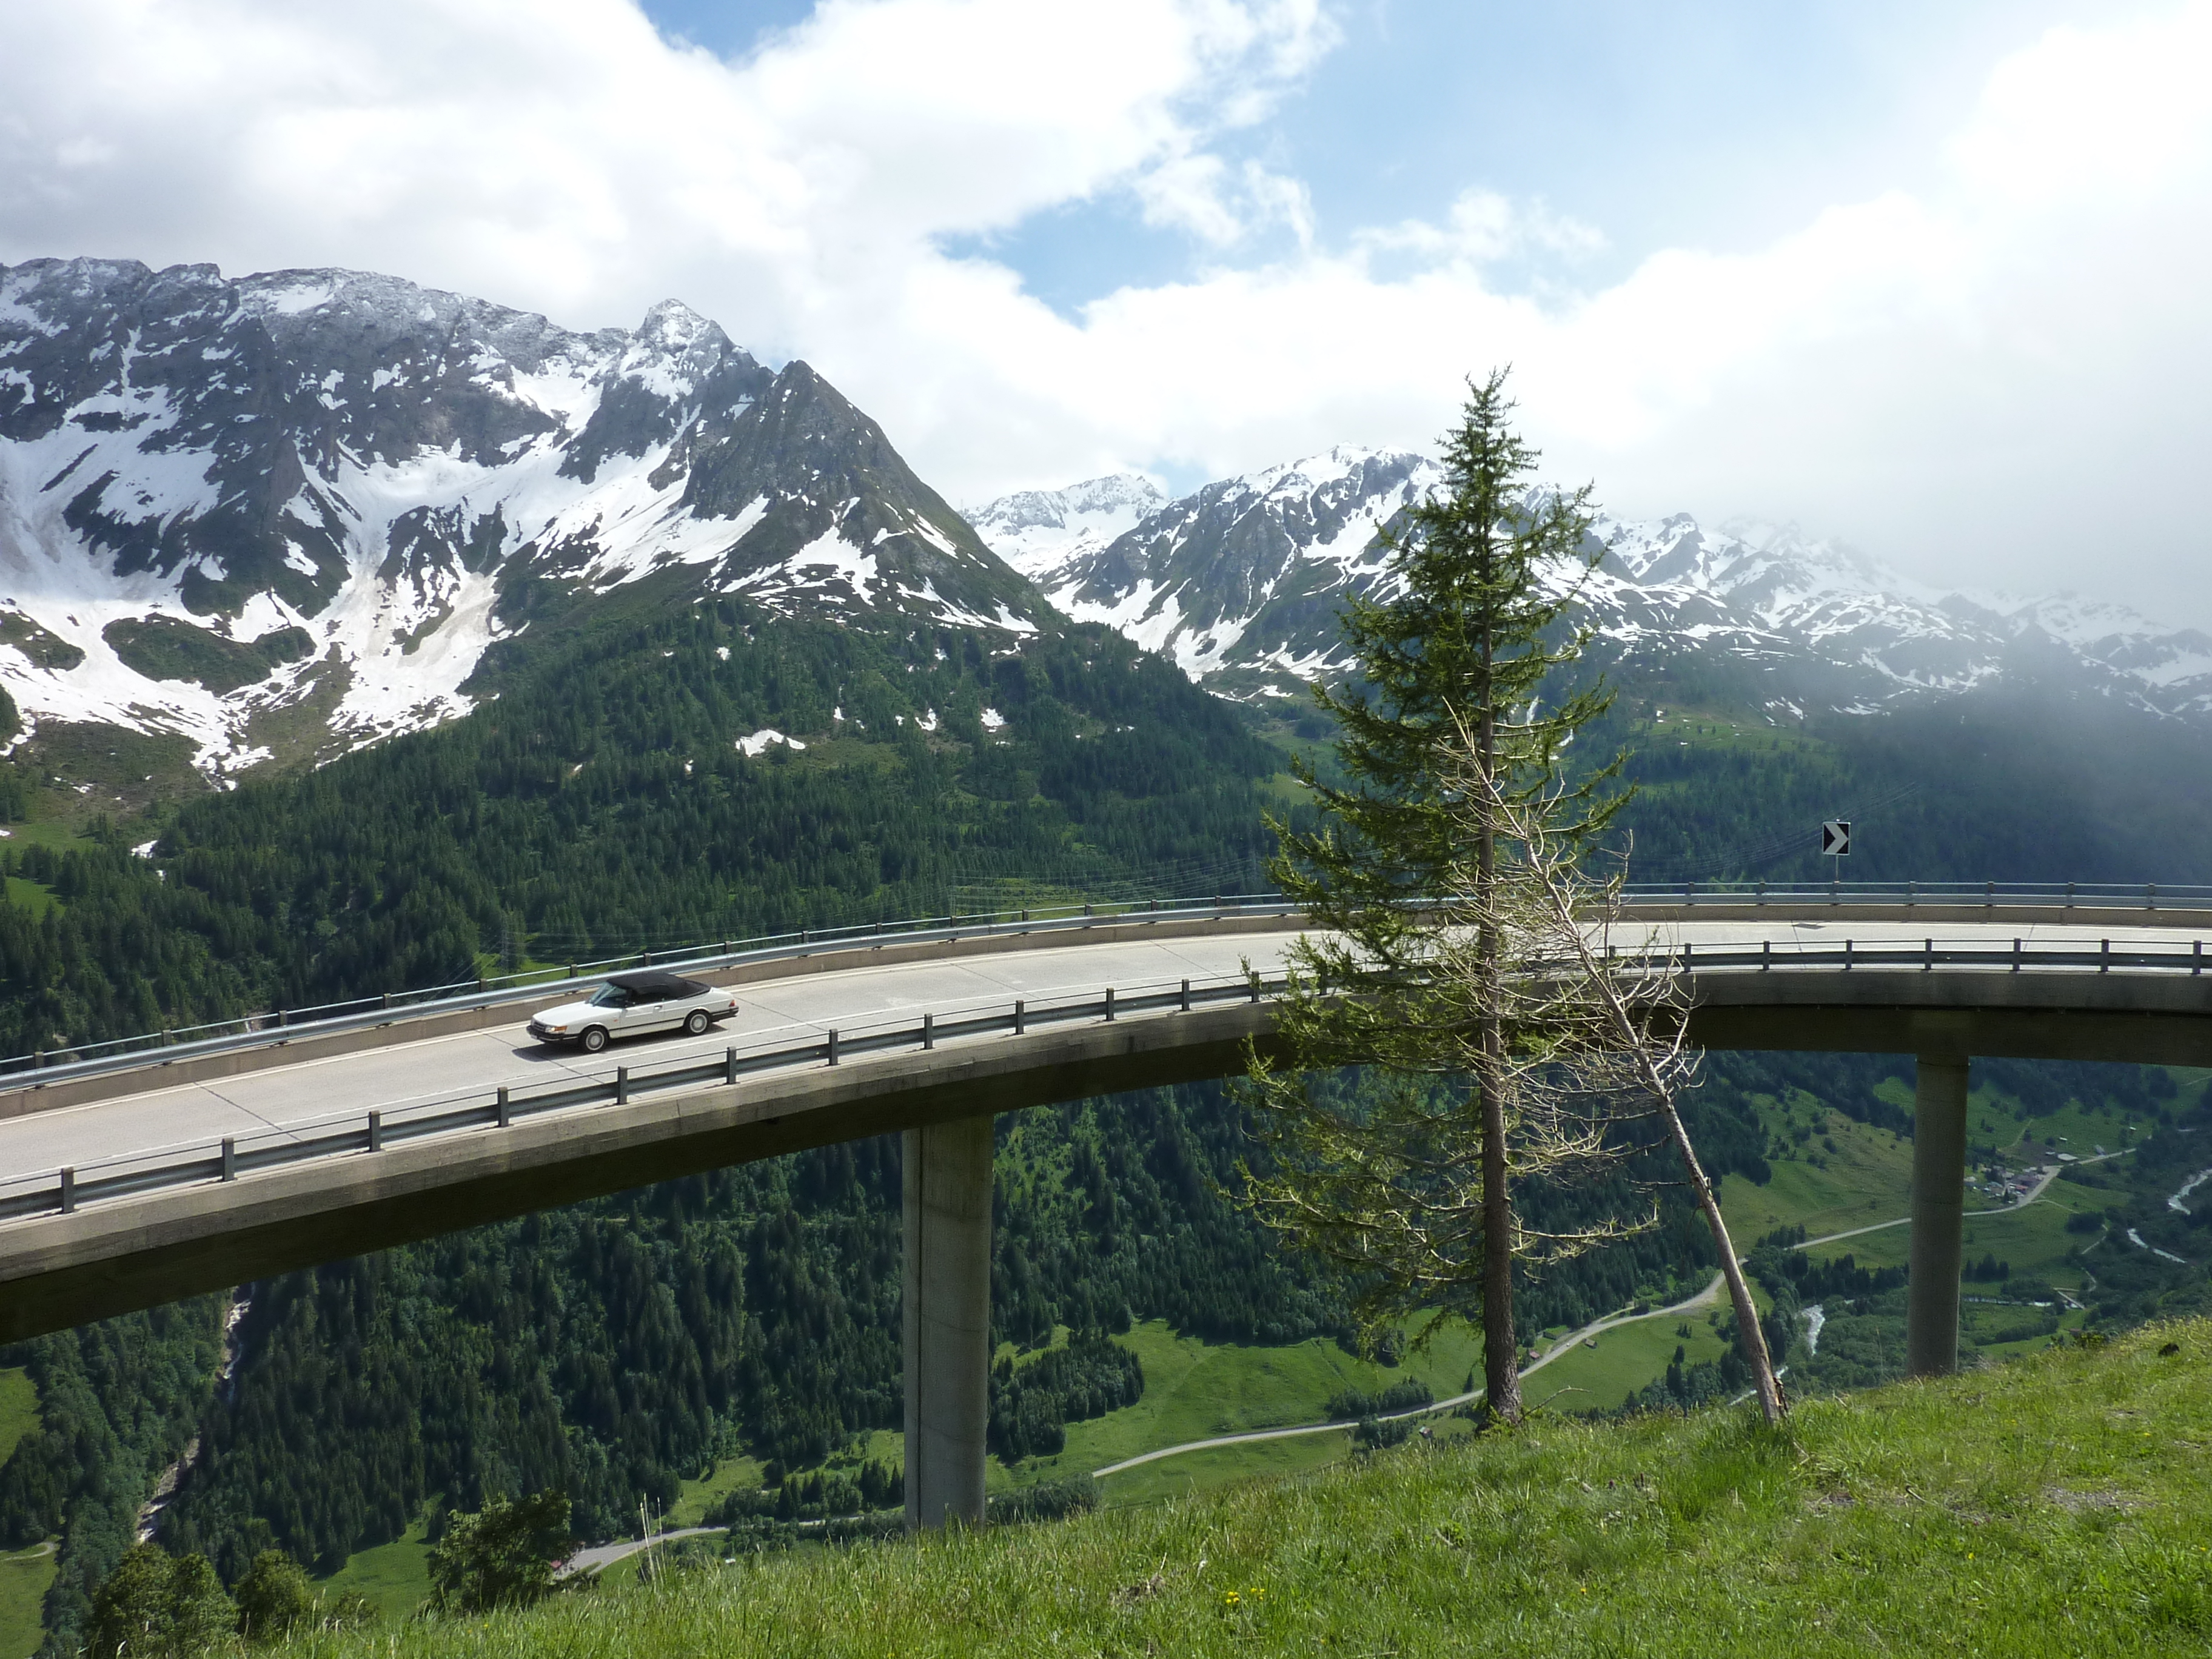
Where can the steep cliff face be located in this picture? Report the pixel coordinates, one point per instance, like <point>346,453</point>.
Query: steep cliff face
<point>291,511</point>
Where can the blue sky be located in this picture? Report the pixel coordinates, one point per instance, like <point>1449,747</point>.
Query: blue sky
<point>1927,278</point>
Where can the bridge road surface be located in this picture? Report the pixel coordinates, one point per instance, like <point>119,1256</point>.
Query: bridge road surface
<point>770,1013</point>
<point>287,1097</point>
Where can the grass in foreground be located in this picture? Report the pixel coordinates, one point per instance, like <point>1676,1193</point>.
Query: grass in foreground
<point>2050,1506</point>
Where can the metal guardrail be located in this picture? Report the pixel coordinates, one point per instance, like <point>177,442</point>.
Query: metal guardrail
<point>1927,956</point>
<point>253,1030</point>
<point>133,1174</point>
<point>1989,895</point>
<point>155,1169</point>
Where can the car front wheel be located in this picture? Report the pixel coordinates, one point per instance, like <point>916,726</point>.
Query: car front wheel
<point>595,1038</point>
<point>696,1021</point>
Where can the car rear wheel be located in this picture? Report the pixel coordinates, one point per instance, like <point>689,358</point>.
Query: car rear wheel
<point>696,1021</point>
<point>595,1038</point>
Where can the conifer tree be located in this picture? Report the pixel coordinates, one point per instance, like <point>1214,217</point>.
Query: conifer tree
<point>1461,954</point>
<point>1412,969</point>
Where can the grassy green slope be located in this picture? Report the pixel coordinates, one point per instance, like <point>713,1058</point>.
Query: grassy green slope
<point>2052,1506</point>
<point>395,1576</point>
<point>1868,1179</point>
<point>1195,1390</point>
<point>1597,1373</point>
<point>24,1574</point>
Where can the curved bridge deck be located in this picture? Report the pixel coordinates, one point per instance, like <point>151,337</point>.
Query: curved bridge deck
<point>136,1187</point>
<point>332,1156</point>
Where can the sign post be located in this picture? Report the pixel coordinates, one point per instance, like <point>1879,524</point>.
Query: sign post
<point>1836,843</point>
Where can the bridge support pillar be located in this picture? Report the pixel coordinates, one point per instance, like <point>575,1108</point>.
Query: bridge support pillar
<point>947,1169</point>
<point>1938,1215</point>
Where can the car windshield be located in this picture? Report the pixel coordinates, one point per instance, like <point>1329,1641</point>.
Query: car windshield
<point>610,996</point>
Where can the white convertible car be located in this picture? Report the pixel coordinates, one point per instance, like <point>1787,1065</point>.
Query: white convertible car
<point>648,1000</point>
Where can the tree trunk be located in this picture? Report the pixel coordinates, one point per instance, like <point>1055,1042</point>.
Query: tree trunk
<point>1501,1349</point>
<point>1748,1330</point>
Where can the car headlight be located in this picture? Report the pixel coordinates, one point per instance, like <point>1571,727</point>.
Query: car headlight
<point>555,1028</point>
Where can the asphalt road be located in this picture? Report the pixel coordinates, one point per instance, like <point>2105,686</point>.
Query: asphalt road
<point>772,1013</point>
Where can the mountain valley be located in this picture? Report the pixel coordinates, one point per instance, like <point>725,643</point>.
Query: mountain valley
<point>359,636</point>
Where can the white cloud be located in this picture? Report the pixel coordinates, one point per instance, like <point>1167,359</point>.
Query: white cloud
<point>1482,227</point>
<point>558,154</point>
<point>1996,375</point>
<point>1221,205</point>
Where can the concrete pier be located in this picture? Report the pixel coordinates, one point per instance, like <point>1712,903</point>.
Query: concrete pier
<point>947,1320</point>
<point>1939,1218</point>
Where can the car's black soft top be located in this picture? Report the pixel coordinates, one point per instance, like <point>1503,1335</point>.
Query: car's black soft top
<point>657,983</point>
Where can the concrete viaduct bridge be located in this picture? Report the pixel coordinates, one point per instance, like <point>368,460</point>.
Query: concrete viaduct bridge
<point>165,1168</point>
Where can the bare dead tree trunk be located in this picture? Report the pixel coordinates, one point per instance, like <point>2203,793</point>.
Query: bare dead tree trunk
<point>1749,1333</point>
<point>1501,1352</point>
<point>1628,1017</point>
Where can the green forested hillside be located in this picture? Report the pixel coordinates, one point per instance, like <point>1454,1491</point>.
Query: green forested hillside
<point>601,802</point>
<point>617,1348</point>
<point>118,1402</point>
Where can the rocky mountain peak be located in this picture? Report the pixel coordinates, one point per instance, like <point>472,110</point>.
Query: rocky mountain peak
<point>390,477</point>
<point>1040,527</point>
<point>672,326</point>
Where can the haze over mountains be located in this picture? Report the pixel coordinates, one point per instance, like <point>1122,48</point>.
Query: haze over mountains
<point>281,516</point>
<point>1240,581</point>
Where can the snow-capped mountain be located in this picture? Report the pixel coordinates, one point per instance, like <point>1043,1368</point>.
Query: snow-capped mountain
<point>294,508</point>
<point>1048,528</point>
<point>1241,583</point>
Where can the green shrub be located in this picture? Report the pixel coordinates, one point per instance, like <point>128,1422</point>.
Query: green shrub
<point>505,1555</point>
<point>155,1605</point>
